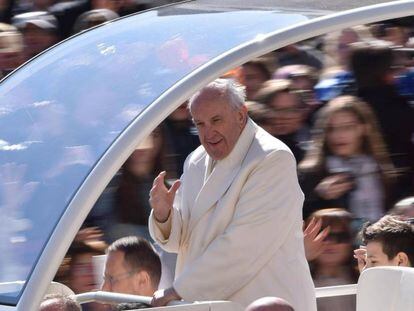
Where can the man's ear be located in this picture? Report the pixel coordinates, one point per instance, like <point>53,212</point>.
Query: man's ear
<point>142,282</point>
<point>402,259</point>
<point>243,113</point>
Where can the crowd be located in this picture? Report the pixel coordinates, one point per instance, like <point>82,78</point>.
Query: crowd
<point>27,27</point>
<point>343,103</point>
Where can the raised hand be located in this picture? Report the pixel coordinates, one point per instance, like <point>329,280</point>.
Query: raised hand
<point>314,239</point>
<point>360,255</point>
<point>89,234</point>
<point>162,198</point>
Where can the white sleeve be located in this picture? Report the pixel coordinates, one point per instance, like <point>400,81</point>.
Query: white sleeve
<point>168,234</point>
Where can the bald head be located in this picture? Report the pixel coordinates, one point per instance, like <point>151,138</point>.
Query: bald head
<point>269,304</point>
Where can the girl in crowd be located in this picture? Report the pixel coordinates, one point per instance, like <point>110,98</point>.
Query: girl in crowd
<point>333,263</point>
<point>348,165</point>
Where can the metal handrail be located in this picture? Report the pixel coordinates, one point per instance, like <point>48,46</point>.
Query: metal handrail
<point>334,291</point>
<point>110,297</point>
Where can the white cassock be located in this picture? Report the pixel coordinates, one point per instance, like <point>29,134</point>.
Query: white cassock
<point>237,225</point>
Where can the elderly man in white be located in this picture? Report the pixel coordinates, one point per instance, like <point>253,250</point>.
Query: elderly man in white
<point>235,217</point>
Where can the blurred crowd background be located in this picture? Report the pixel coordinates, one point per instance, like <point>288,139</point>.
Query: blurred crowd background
<point>343,103</point>
<point>27,27</point>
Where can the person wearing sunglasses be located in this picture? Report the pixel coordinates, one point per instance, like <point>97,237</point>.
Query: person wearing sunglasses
<point>331,260</point>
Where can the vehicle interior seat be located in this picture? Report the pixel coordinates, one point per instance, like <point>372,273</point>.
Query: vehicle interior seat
<point>386,289</point>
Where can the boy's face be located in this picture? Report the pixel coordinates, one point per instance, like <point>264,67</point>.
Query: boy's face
<point>376,256</point>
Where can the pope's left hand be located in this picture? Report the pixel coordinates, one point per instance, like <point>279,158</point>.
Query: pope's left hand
<point>163,296</point>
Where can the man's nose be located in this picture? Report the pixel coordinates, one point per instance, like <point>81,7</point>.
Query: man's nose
<point>209,132</point>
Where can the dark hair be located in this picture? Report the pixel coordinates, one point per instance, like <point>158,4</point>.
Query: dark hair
<point>370,63</point>
<point>79,247</point>
<point>65,302</point>
<point>334,217</point>
<point>260,64</point>
<point>131,207</point>
<point>140,255</point>
<point>394,233</point>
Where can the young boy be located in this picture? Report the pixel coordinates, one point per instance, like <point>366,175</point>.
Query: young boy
<point>388,242</point>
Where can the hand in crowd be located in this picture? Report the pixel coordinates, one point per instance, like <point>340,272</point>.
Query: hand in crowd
<point>360,255</point>
<point>89,234</point>
<point>163,296</point>
<point>314,239</point>
<point>162,198</point>
<point>334,186</point>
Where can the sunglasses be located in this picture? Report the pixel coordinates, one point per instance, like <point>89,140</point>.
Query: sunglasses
<point>338,237</point>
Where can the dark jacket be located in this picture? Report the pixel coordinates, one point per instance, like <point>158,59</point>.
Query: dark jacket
<point>396,121</point>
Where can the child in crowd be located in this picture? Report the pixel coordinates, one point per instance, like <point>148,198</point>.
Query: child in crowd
<point>348,165</point>
<point>388,242</point>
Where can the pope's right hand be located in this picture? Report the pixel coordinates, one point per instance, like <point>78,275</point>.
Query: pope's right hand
<point>161,198</point>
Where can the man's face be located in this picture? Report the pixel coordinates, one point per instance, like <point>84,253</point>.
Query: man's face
<point>288,116</point>
<point>82,273</point>
<point>219,125</point>
<point>118,277</point>
<point>252,78</point>
<point>377,258</point>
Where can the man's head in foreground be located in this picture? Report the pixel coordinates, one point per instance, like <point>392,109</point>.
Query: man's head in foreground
<point>219,113</point>
<point>389,242</point>
<point>132,267</point>
<point>59,303</point>
<point>269,304</point>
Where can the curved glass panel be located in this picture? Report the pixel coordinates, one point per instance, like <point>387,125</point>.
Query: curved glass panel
<point>61,112</point>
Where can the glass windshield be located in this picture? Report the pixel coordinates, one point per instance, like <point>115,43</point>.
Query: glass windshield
<point>61,112</point>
